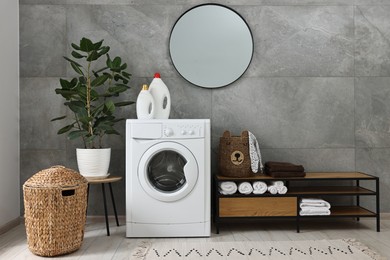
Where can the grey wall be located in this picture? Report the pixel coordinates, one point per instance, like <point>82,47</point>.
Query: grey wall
<point>9,114</point>
<point>317,91</point>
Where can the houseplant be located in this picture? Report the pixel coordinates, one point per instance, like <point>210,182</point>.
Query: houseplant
<point>92,98</point>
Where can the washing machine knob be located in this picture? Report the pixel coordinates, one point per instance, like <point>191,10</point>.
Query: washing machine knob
<point>183,132</point>
<point>191,132</point>
<point>168,132</point>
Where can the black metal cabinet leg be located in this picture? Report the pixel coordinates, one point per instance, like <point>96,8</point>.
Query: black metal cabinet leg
<point>113,204</point>
<point>105,209</point>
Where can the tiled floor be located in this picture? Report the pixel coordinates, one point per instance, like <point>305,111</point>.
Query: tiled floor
<point>97,245</point>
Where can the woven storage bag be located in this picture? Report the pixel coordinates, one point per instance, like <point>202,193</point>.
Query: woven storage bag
<point>55,204</point>
<point>234,160</point>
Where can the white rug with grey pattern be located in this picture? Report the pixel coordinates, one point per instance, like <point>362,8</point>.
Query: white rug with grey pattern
<point>252,250</point>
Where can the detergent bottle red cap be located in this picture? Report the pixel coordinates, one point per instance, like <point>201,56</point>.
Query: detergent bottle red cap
<point>157,75</point>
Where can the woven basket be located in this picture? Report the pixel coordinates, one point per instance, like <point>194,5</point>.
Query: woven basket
<point>234,160</point>
<point>55,203</point>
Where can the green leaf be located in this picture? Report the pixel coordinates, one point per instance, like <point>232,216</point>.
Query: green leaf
<point>109,107</point>
<point>97,45</point>
<point>99,80</point>
<point>104,50</point>
<point>65,129</point>
<point>126,75</point>
<point>75,46</point>
<point>86,45</point>
<point>108,61</point>
<point>76,68</point>
<point>73,82</point>
<point>72,61</point>
<point>123,67</point>
<point>76,134</point>
<point>58,118</point>
<point>85,119</point>
<point>77,55</point>
<point>94,95</point>
<point>76,106</point>
<point>100,70</point>
<point>65,92</point>
<point>82,80</point>
<point>93,56</point>
<point>65,84</point>
<point>118,89</point>
<point>117,62</point>
<point>124,103</point>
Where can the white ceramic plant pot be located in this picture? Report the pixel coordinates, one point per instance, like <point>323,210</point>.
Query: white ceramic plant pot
<point>93,163</point>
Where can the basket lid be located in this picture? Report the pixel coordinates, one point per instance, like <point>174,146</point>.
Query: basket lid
<point>56,176</point>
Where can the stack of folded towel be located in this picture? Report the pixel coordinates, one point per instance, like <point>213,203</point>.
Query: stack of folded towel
<point>284,169</point>
<point>277,187</point>
<point>227,187</point>
<point>314,207</point>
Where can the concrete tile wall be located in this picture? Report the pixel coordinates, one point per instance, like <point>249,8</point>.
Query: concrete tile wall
<point>317,91</point>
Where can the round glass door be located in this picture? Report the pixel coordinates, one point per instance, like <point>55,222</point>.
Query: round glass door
<point>166,171</point>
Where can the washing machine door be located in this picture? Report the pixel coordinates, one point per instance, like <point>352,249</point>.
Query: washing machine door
<point>168,171</point>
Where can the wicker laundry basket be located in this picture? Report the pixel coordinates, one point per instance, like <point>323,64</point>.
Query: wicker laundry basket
<point>234,159</point>
<point>55,203</point>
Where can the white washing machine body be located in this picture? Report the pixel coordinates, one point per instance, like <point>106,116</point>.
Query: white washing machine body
<point>168,178</point>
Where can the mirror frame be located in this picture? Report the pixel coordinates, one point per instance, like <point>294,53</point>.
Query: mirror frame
<point>240,16</point>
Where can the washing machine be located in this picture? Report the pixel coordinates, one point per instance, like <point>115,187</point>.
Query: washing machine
<point>168,178</point>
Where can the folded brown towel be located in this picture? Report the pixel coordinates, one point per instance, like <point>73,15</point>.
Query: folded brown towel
<point>283,167</point>
<point>286,174</point>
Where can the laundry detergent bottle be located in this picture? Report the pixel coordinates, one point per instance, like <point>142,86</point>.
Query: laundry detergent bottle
<point>161,96</point>
<point>145,104</point>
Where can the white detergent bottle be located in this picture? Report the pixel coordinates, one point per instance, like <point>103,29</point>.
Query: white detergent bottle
<point>145,104</point>
<point>162,98</point>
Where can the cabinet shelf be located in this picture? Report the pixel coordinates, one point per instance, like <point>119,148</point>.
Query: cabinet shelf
<point>252,206</point>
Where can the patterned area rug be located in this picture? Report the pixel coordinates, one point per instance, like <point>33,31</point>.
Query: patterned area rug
<point>251,250</point>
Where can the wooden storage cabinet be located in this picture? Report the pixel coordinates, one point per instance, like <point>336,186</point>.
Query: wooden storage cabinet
<point>241,207</point>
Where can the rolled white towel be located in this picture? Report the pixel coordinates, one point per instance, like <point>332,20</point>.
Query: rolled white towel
<point>245,188</point>
<point>277,183</point>
<point>282,189</point>
<point>227,187</point>
<point>259,187</point>
<point>272,189</point>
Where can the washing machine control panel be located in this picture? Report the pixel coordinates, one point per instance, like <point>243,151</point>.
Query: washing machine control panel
<point>186,130</point>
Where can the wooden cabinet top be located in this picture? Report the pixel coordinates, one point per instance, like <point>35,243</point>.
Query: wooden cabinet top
<point>309,176</point>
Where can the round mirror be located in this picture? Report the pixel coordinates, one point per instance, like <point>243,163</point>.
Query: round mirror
<point>211,45</point>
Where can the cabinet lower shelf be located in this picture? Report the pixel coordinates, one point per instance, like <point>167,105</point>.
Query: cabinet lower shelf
<point>238,206</point>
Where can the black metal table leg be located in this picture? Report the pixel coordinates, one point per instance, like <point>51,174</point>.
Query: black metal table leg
<point>298,216</point>
<point>113,204</point>
<point>105,210</point>
<point>357,198</point>
<point>378,224</point>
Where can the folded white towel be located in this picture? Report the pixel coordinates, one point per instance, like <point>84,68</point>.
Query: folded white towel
<point>245,188</point>
<point>277,183</point>
<point>272,189</point>
<point>315,211</point>
<point>308,202</point>
<point>259,187</point>
<point>227,187</point>
<point>282,189</point>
